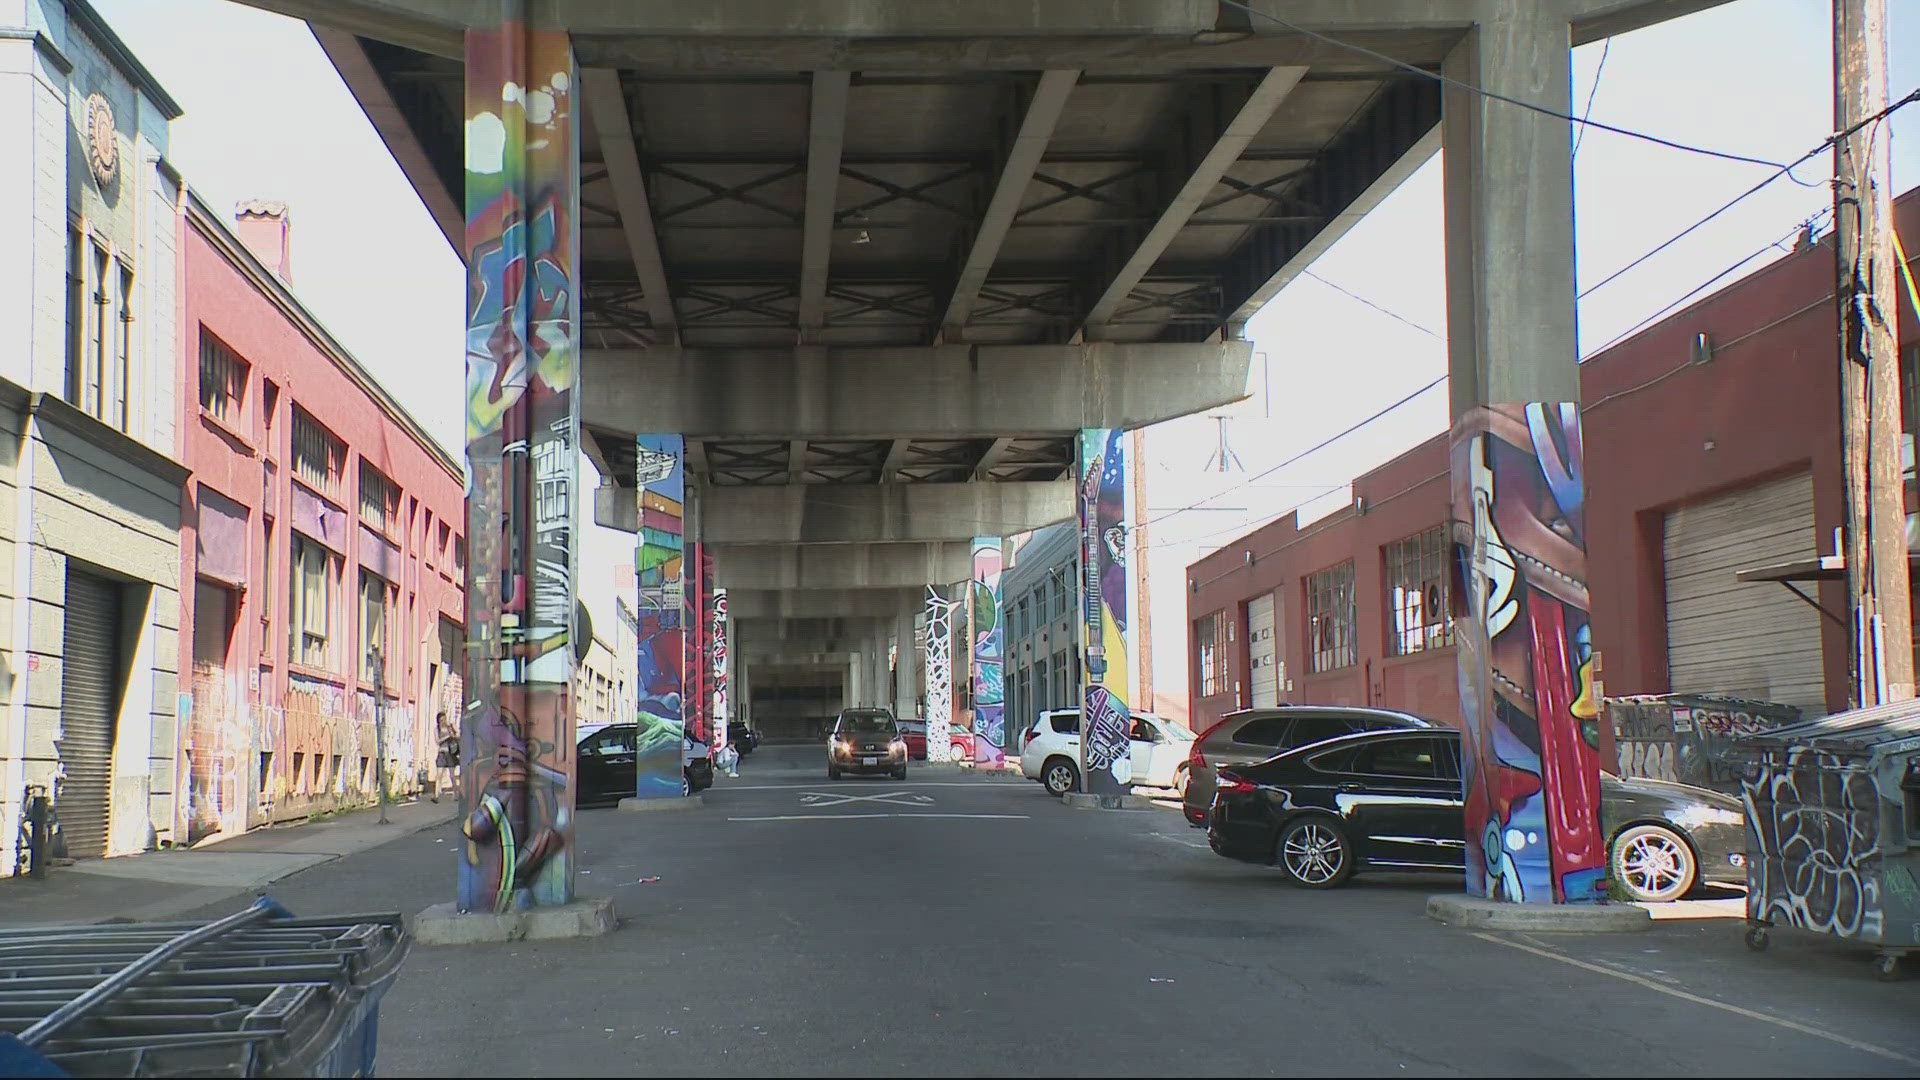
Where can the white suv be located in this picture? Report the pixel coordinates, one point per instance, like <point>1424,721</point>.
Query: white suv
<point>1050,751</point>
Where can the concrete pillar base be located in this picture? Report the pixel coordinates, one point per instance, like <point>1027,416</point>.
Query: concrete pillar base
<point>444,924</point>
<point>1476,913</point>
<point>687,802</point>
<point>1081,800</point>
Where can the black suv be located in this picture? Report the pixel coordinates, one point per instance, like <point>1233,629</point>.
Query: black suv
<point>742,738</point>
<point>866,741</point>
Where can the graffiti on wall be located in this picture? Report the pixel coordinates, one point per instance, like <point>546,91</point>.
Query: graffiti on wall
<point>1690,738</point>
<point>989,684</point>
<point>659,562</point>
<point>1105,751</point>
<point>522,210</point>
<point>939,673</point>
<point>1813,827</point>
<point>699,603</point>
<point>218,748</point>
<point>717,652</point>
<point>1530,741</point>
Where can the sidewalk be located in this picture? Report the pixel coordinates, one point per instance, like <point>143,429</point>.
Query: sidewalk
<point>163,884</point>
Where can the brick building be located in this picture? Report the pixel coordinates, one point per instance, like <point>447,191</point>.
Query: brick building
<point>323,534</point>
<point>1712,446</point>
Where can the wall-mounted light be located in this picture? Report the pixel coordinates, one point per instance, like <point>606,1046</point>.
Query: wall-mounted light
<point>1249,557</point>
<point>1359,505</point>
<point>1702,349</point>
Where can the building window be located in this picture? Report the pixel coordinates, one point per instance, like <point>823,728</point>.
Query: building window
<point>223,380</point>
<point>1041,687</point>
<point>1330,618</point>
<point>79,314</point>
<point>98,352</point>
<point>379,498</point>
<point>1417,593</point>
<point>319,457</point>
<point>313,578</point>
<point>122,370</point>
<point>263,585</point>
<point>373,626</point>
<point>269,409</point>
<point>1211,634</point>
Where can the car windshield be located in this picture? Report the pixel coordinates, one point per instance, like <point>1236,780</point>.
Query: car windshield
<point>1177,730</point>
<point>866,723</point>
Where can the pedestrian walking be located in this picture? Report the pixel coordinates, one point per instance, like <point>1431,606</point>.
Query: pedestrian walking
<point>448,759</point>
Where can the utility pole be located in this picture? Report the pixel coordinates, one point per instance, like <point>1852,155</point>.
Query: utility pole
<point>1877,586</point>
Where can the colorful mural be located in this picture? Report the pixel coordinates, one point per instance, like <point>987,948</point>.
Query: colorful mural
<point>659,560</point>
<point>718,655</point>
<point>522,208</point>
<point>1525,652</point>
<point>699,604</point>
<point>989,685</point>
<point>1106,760</point>
<point>939,673</point>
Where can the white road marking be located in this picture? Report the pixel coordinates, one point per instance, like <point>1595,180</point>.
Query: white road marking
<point>1790,1025</point>
<point>864,817</point>
<point>835,798</point>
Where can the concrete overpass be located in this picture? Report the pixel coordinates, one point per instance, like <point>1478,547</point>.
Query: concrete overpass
<point>878,263</point>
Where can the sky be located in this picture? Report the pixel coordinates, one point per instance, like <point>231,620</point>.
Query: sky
<point>267,117</point>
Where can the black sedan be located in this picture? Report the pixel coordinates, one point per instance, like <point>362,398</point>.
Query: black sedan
<point>1392,800</point>
<point>742,738</point>
<point>608,760</point>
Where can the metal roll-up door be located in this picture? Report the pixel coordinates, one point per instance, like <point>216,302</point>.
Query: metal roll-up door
<point>89,701</point>
<point>1744,639</point>
<point>1264,672</point>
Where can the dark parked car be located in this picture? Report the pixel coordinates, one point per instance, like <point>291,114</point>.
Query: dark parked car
<point>608,756</point>
<point>866,741</point>
<point>1257,734</point>
<point>742,738</point>
<point>1392,800</point>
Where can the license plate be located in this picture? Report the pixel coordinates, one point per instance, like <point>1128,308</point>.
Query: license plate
<point>869,761</point>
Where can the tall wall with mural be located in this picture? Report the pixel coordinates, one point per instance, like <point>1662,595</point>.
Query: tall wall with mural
<point>988,638</point>
<point>660,665</point>
<point>522,209</point>
<point>1531,741</point>
<point>1105,753</point>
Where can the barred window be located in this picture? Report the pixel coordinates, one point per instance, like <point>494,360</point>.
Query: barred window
<point>379,497</point>
<point>312,588</point>
<point>223,379</point>
<point>319,457</point>
<point>1417,593</point>
<point>1211,634</point>
<point>1330,618</point>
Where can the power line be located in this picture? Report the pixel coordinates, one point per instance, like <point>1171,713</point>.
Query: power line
<point>1528,105</point>
<point>1356,296</point>
<point>1592,92</point>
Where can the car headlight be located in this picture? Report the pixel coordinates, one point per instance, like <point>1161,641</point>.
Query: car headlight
<point>843,746</point>
<point>1698,814</point>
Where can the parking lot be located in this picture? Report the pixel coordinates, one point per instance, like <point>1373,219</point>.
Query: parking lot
<point>961,923</point>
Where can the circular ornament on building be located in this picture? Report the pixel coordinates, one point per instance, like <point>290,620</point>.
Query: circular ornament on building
<point>103,142</point>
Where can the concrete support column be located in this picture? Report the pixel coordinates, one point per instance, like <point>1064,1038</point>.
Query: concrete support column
<point>989,652</point>
<point>660,568</point>
<point>1106,760</point>
<point>1524,649</point>
<point>905,690</point>
<point>523,273</point>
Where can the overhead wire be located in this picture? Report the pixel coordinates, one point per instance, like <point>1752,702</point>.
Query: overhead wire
<point>1593,91</point>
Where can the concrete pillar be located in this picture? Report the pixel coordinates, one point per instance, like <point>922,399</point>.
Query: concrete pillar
<point>523,425</point>
<point>1524,650</point>
<point>939,669</point>
<point>989,650</point>
<point>905,687</point>
<point>1106,763</point>
<point>660,562</point>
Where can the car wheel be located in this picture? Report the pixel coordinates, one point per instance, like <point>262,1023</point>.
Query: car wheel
<point>1314,852</point>
<point>833,773</point>
<point>1653,864</point>
<point>957,754</point>
<point>1060,777</point>
<point>900,773</point>
<point>1180,782</point>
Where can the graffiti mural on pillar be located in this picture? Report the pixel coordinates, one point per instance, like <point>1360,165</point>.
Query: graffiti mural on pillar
<point>717,652</point>
<point>660,660</point>
<point>522,198</point>
<point>939,673</point>
<point>699,603</point>
<point>1531,739</point>
<point>989,687</point>
<point>1106,760</point>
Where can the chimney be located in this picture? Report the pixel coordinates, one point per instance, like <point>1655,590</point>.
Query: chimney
<point>264,227</point>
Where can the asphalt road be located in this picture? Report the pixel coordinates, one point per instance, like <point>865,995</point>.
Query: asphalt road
<point>956,924</point>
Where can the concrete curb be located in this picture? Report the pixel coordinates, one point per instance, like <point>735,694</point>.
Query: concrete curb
<point>1474,913</point>
<point>1080,800</point>
<point>443,924</point>
<point>641,806</point>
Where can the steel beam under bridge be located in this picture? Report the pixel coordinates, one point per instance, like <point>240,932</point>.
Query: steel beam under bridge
<point>951,391</point>
<point>855,513</point>
<point>840,566</point>
<point>743,604</point>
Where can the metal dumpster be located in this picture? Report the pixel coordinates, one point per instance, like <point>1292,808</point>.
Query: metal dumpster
<point>1833,830</point>
<point>259,993</point>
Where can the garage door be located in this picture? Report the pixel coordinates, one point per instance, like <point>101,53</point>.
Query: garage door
<point>89,701</point>
<point>1262,654</point>
<point>1747,639</point>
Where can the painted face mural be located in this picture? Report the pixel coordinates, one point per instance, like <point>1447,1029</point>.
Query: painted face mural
<point>1531,742</point>
<point>989,688</point>
<point>662,655</point>
<point>1106,758</point>
<point>522,431</point>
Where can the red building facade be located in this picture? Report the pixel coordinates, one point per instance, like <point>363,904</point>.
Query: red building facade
<point>1712,446</point>
<point>322,549</point>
